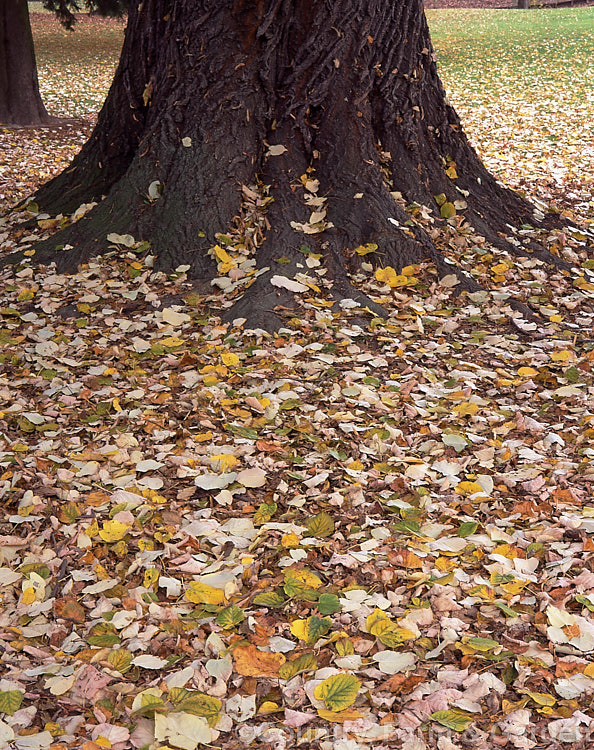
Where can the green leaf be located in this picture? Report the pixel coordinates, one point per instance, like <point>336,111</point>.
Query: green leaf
<point>481,644</point>
<point>509,612</point>
<point>120,660</point>
<point>447,210</point>
<point>149,703</point>
<point>10,701</point>
<point>328,604</point>
<point>269,599</point>
<point>585,601</point>
<point>199,704</point>
<point>231,616</point>
<point>320,525</point>
<point>467,528</point>
<point>303,663</point>
<point>264,513</point>
<point>452,719</point>
<point>338,692</point>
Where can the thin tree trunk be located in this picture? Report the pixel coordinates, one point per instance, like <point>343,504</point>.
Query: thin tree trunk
<point>20,100</point>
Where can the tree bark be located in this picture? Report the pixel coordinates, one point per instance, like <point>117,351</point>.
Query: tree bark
<point>349,89</point>
<point>20,100</point>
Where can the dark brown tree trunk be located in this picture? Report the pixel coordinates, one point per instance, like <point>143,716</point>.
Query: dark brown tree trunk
<point>204,89</point>
<point>20,100</point>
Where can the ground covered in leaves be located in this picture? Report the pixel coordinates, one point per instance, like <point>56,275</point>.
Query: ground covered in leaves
<point>342,535</point>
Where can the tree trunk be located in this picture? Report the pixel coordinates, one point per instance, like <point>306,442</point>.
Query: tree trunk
<point>213,95</point>
<point>20,100</point>
<point>523,3</point>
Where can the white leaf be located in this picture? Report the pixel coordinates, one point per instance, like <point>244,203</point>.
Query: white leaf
<point>39,741</point>
<point>174,318</point>
<point>559,618</point>
<point>148,661</point>
<point>148,465</point>
<point>186,142</point>
<point>285,283</point>
<point>6,734</point>
<point>222,669</point>
<point>277,150</point>
<point>215,481</point>
<point>572,687</point>
<point>183,730</point>
<point>33,417</point>
<point>449,544</point>
<point>173,585</point>
<point>97,588</point>
<point>391,662</point>
<point>155,189</point>
<point>8,576</point>
<point>457,442</point>
<point>59,685</point>
<point>252,477</point>
<point>121,239</point>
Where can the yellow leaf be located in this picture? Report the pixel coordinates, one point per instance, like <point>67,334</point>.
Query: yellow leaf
<point>527,372</point>
<point>466,408</point>
<point>499,269</point>
<point>355,465</point>
<point>202,593</point>
<point>469,488</point>
<point>28,596</point>
<point>290,541</point>
<point>542,699</point>
<point>151,576</point>
<point>223,255</point>
<point>453,719</point>
<point>562,356</point>
<point>172,341</point>
<point>116,404</point>
<point>268,707</point>
<point>299,629</point>
<point>339,717</point>
<point>113,531</point>
<point>230,359</point>
<point>224,461</point>
<point>377,621</point>
<point>203,437</point>
<point>338,692</point>
<point>514,587</point>
<point>366,249</point>
<point>306,577</point>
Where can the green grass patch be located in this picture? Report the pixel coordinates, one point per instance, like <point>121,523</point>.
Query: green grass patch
<point>522,84</point>
<point>76,67</point>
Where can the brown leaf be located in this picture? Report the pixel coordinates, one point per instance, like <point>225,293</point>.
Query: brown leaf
<point>69,609</point>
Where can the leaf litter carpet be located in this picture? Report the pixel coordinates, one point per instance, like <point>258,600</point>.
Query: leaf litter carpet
<point>344,535</point>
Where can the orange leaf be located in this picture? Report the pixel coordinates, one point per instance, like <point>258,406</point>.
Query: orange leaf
<point>252,662</point>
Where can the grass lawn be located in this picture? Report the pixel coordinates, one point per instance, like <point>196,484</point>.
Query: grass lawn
<point>523,86</point>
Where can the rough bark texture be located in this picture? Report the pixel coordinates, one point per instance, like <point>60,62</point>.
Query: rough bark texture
<point>20,100</point>
<point>336,83</point>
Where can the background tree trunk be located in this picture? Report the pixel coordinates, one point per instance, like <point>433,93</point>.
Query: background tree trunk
<point>20,100</point>
<point>347,92</point>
